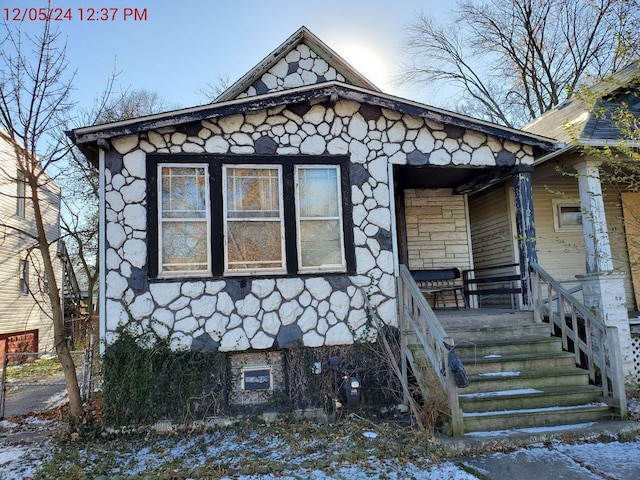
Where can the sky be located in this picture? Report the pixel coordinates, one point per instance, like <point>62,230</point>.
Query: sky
<point>176,47</point>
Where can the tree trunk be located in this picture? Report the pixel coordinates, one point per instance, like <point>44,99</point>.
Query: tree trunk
<point>76,410</point>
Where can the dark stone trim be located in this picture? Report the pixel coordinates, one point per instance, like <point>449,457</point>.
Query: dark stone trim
<point>290,233</point>
<point>152,218</point>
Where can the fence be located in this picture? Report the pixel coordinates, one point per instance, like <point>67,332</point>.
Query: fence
<point>84,369</point>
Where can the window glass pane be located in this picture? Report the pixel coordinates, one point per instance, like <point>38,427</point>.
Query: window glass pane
<point>254,245</point>
<point>183,192</point>
<point>570,216</point>
<point>318,192</point>
<point>20,195</point>
<point>184,222</point>
<point>320,243</point>
<point>24,276</point>
<point>184,246</point>
<point>253,193</point>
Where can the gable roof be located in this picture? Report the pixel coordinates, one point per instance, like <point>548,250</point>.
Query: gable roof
<point>301,40</point>
<point>89,138</point>
<point>577,117</point>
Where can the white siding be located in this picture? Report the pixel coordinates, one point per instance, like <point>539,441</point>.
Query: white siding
<point>562,253</point>
<point>20,312</point>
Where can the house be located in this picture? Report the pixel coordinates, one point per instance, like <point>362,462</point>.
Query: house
<point>25,312</point>
<point>289,211</point>
<point>587,204</point>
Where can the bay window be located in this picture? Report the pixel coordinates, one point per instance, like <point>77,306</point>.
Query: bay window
<point>213,215</point>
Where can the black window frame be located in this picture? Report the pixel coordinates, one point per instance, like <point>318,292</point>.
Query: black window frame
<point>215,163</point>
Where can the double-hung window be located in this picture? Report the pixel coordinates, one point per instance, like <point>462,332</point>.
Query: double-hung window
<point>234,216</point>
<point>319,218</point>
<point>183,219</point>
<point>253,219</point>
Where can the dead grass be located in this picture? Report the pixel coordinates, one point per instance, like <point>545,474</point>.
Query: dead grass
<point>42,367</point>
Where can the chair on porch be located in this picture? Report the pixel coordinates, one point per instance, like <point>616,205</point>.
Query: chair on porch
<point>441,287</point>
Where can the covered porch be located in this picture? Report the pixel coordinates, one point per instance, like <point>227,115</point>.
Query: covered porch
<point>466,252</point>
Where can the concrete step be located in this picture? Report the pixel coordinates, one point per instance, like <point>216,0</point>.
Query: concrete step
<point>528,398</point>
<point>511,380</point>
<point>519,362</point>
<point>483,348</point>
<point>535,417</point>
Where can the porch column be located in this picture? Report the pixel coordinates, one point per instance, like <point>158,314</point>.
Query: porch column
<point>594,221</point>
<point>525,226</point>
<point>602,288</point>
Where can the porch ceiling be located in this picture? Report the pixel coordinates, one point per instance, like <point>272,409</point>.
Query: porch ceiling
<point>460,179</point>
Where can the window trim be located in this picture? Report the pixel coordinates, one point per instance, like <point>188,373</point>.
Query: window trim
<point>160,220</point>
<point>215,162</point>
<point>228,272</point>
<point>340,217</point>
<point>557,205</point>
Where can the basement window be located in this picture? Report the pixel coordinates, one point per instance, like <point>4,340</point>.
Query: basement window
<point>567,215</point>
<point>257,378</point>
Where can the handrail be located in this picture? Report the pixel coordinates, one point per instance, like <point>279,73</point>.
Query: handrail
<point>595,344</point>
<point>417,316</point>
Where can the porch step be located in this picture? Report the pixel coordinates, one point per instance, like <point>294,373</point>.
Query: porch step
<point>520,330</point>
<point>481,317</point>
<point>535,417</point>
<point>519,362</point>
<point>512,380</point>
<point>482,348</point>
<point>527,398</point>
<point>518,374</point>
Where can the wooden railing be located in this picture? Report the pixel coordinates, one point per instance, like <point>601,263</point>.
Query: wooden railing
<point>416,316</point>
<point>595,345</point>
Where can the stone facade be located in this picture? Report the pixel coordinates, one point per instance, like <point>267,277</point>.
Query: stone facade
<point>237,314</point>
<point>301,66</point>
<point>233,315</point>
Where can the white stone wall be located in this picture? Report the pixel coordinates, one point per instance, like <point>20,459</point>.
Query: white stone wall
<point>300,67</point>
<point>262,314</point>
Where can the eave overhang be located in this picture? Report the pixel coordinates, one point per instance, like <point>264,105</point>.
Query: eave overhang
<point>564,149</point>
<point>89,138</point>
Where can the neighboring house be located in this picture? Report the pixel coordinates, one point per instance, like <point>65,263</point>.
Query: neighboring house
<point>273,216</point>
<point>25,311</point>
<point>586,227</point>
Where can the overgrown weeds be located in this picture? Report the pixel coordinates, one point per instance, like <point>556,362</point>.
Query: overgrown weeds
<point>144,383</point>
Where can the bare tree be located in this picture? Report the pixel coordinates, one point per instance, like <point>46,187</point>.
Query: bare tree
<point>80,222</point>
<point>35,86</point>
<point>212,90</point>
<point>512,60</point>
